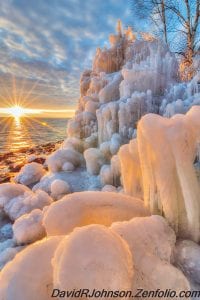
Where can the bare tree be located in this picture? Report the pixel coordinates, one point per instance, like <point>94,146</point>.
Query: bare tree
<point>178,21</point>
<point>155,10</point>
<point>172,18</point>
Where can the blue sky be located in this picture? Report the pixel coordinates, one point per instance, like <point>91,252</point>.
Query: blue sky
<point>46,44</point>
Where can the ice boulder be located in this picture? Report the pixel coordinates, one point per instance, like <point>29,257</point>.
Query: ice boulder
<point>94,160</point>
<point>73,143</point>
<point>187,258</point>
<point>30,174</point>
<point>93,257</point>
<point>153,232</point>
<point>58,158</point>
<point>9,191</point>
<point>84,208</point>
<point>151,242</point>
<point>59,188</point>
<point>28,228</point>
<point>17,200</point>
<point>30,274</point>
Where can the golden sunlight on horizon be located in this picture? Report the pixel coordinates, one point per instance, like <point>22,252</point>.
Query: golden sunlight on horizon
<point>18,111</point>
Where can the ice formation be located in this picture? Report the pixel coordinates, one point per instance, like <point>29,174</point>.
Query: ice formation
<point>30,273</point>
<point>59,188</point>
<point>99,257</point>
<point>82,259</point>
<point>152,262</point>
<point>57,160</point>
<point>17,200</point>
<point>187,258</point>
<point>80,209</point>
<point>28,228</point>
<point>30,174</point>
<point>157,165</point>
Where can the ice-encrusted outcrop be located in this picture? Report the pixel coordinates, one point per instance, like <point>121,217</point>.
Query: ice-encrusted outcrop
<point>80,209</point>
<point>164,169</point>
<point>128,80</point>
<point>30,174</point>
<point>17,200</point>
<point>99,257</point>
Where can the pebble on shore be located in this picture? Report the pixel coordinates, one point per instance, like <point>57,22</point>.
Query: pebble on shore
<point>12,162</point>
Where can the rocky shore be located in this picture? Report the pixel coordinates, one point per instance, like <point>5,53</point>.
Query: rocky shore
<point>12,162</point>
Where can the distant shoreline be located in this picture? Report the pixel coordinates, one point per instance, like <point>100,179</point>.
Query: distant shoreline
<point>11,162</point>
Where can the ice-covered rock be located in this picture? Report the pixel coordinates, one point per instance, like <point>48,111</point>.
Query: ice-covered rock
<point>30,274</point>
<point>58,158</point>
<point>80,209</point>
<point>73,143</point>
<point>187,258</point>
<point>30,174</point>
<point>95,257</point>
<point>167,149</point>
<point>59,188</point>
<point>9,191</point>
<point>153,232</point>
<point>151,242</point>
<point>17,200</point>
<point>28,228</point>
<point>94,160</point>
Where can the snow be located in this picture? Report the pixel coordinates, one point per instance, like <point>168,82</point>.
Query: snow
<point>30,273</point>
<point>80,209</point>
<point>59,188</point>
<point>82,259</point>
<point>31,173</point>
<point>28,228</point>
<point>79,175</point>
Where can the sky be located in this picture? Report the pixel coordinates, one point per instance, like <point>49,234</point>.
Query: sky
<point>46,44</point>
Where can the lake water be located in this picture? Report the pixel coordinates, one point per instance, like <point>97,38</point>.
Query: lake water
<point>17,133</point>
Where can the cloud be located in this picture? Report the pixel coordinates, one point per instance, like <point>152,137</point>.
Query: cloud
<point>48,43</point>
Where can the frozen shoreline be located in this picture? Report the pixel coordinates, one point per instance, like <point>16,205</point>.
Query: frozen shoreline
<point>12,162</point>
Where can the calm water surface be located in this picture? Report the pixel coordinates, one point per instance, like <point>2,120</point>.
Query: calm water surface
<point>17,133</point>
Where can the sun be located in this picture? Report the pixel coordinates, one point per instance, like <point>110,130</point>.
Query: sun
<point>16,111</point>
